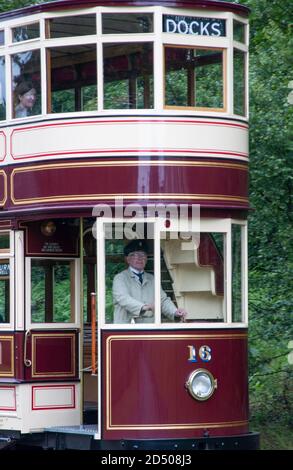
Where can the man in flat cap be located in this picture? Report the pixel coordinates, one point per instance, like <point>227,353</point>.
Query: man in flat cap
<point>134,290</point>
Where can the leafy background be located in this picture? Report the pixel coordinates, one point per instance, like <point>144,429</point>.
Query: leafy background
<point>270,221</point>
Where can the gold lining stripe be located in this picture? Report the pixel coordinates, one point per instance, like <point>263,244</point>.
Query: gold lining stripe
<point>241,166</point>
<point>2,202</point>
<point>54,373</point>
<point>11,372</point>
<point>227,424</point>
<point>95,197</point>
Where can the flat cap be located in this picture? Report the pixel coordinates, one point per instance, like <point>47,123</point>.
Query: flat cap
<point>136,245</point>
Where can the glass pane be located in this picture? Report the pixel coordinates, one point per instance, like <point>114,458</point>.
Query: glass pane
<point>2,37</point>
<point>194,77</point>
<point>125,23</point>
<point>4,242</point>
<point>26,32</point>
<point>4,291</point>
<point>239,31</point>
<point>130,282</point>
<point>114,265</point>
<point>26,76</point>
<point>73,78</point>
<point>236,274</point>
<point>52,291</point>
<point>195,276</point>
<point>71,26</point>
<point>2,89</point>
<point>239,83</point>
<point>128,76</point>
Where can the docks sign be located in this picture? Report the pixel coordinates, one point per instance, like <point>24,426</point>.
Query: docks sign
<point>194,25</point>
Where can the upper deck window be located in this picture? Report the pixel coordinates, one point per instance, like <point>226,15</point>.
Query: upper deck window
<point>66,26</point>
<point>26,32</point>
<point>26,77</point>
<point>127,23</point>
<point>73,78</point>
<point>128,76</point>
<point>239,82</point>
<point>2,89</point>
<point>239,32</point>
<point>2,39</point>
<point>194,77</point>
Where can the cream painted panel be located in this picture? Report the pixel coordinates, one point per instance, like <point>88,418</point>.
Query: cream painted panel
<point>48,397</point>
<point>7,399</point>
<point>2,145</point>
<point>123,136</point>
<point>54,409</point>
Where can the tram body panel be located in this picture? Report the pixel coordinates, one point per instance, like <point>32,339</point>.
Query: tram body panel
<point>145,375</point>
<point>209,183</point>
<point>182,136</point>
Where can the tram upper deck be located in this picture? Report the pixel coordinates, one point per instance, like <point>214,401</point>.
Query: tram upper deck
<point>90,89</point>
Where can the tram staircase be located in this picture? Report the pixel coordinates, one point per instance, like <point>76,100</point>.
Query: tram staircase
<point>197,278</point>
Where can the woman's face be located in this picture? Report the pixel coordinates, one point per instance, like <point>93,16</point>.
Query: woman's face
<point>28,99</point>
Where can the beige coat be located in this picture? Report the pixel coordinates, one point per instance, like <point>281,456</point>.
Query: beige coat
<point>129,296</point>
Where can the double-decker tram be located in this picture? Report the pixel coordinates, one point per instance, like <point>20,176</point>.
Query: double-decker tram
<point>124,148</point>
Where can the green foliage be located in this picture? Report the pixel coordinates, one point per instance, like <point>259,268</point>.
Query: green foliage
<point>6,5</point>
<point>270,247</point>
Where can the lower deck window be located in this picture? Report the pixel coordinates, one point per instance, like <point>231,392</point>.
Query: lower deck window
<point>4,290</point>
<point>52,291</point>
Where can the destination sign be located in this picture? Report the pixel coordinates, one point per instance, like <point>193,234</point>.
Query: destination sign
<point>194,25</point>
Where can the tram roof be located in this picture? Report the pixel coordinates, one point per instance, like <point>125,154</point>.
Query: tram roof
<point>76,4</point>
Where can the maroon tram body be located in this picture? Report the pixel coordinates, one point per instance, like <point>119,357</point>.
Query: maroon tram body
<point>110,132</point>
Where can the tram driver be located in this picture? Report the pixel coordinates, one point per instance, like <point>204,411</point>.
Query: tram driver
<point>133,290</point>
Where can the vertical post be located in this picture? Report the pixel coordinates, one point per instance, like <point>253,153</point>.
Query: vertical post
<point>93,329</point>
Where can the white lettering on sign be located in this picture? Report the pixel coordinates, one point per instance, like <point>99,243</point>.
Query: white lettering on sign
<point>195,26</point>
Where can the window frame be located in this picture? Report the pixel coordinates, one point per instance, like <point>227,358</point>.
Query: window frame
<point>224,78</point>
<point>206,225</point>
<point>25,41</point>
<point>9,254</point>
<point>158,38</point>
<point>29,324</point>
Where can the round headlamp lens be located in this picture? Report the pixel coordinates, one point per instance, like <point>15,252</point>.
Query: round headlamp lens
<point>201,384</point>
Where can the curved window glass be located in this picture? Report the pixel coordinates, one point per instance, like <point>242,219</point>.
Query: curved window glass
<point>2,89</point>
<point>127,23</point>
<point>66,26</point>
<point>239,32</point>
<point>194,77</point>
<point>239,83</point>
<point>73,78</point>
<point>128,76</point>
<point>26,79</point>
<point>26,32</point>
